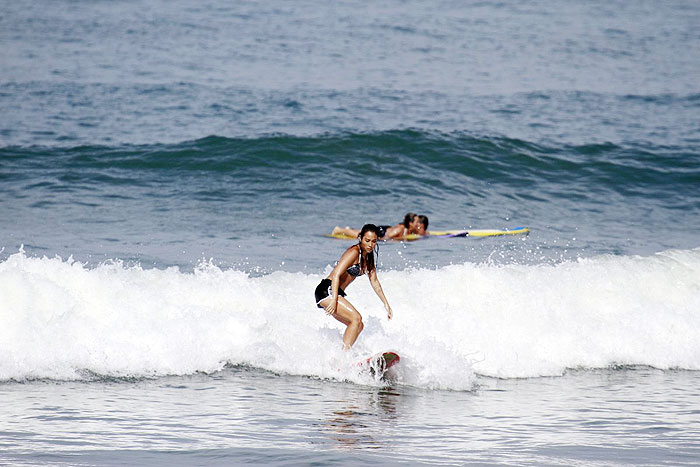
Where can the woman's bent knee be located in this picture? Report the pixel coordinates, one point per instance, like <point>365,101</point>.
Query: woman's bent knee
<point>357,321</point>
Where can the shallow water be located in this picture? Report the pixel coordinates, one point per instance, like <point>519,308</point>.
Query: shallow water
<point>634,416</point>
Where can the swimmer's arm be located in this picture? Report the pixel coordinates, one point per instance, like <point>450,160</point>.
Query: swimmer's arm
<point>380,293</point>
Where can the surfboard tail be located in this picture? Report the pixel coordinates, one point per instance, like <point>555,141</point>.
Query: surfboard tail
<point>379,363</point>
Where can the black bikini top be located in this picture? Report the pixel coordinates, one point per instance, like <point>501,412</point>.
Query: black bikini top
<point>356,269</point>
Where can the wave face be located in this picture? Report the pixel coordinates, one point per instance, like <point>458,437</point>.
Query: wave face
<point>63,320</point>
<point>427,159</point>
<point>212,196</point>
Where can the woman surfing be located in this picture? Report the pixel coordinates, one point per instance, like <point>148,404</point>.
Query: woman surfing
<point>330,294</point>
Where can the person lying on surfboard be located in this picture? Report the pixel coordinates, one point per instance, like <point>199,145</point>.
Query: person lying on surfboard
<point>357,260</point>
<point>409,225</point>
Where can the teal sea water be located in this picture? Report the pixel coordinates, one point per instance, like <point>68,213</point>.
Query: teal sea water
<point>168,170</point>
<point>261,203</point>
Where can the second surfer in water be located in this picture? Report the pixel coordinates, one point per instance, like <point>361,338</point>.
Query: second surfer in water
<point>386,232</point>
<point>357,260</point>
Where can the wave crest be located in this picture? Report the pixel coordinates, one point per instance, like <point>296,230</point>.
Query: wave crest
<point>63,320</point>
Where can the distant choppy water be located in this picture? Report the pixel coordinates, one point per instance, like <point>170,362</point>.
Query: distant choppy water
<point>142,72</point>
<point>167,170</point>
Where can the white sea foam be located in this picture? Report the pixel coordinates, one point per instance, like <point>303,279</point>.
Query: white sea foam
<point>63,320</point>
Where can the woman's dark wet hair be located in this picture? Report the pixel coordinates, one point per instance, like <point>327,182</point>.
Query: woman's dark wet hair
<point>424,221</point>
<point>368,228</point>
<point>408,218</point>
<point>370,257</point>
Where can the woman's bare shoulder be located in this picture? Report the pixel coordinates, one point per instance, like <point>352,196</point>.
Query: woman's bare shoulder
<point>352,252</point>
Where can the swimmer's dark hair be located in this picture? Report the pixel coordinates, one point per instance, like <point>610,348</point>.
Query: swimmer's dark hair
<point>424,221</point>
<point>408,218</point>
<point>370,257</point>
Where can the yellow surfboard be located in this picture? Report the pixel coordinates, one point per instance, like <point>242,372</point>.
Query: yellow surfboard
<point>452,233</point>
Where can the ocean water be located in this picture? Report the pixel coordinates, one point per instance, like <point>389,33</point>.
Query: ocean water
<point>168,170</point>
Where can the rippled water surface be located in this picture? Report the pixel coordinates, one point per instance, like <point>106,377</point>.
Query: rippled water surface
<point>606,417</point>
